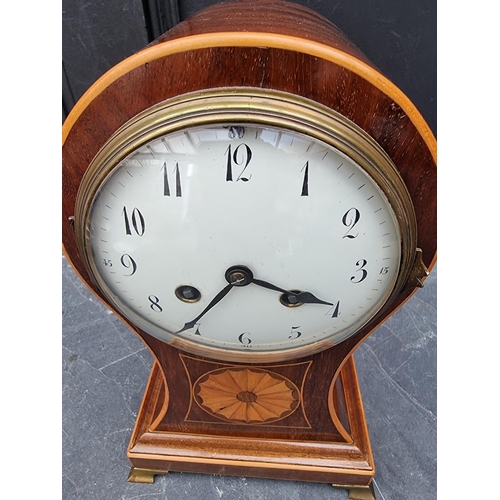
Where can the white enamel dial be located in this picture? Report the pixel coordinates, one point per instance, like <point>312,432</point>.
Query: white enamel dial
<point>197,234</point>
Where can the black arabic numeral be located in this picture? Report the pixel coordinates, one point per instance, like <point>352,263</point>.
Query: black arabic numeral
<point>155,303</point>
<point>178,190</point>
<point>245,339</point>
<point>364,273</point>
<point>335,310</point>
<point>384,270</point>
<point>166,185</point>
<point>235,131</point>
<point>129,263</point>
<point>138,222</point>
<point>229,168</point>
<point>107,263</point>
<point>294,333</point>
<point>305,182</point>
<point>238,158</point>
<point>350,219</point>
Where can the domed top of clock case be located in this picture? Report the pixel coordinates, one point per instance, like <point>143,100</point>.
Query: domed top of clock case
<point>265,16</point>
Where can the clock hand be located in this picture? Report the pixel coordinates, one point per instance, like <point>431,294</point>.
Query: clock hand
<point>270,286</point>
<point>304,297</point>
<point>242,276</point>
<point>309,298</point>
<point>215,300</point>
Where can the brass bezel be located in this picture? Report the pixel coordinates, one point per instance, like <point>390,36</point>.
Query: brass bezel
<point>265,107</point>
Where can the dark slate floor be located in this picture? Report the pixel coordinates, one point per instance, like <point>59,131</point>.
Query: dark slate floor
<point>106,367</point>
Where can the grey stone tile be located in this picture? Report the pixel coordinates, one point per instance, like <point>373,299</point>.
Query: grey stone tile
<point>214,487</point>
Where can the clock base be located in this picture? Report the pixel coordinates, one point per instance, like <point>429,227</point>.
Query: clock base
<point>147,476</point>
<point>348,465</point>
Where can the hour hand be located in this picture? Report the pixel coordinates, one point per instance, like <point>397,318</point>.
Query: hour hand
<point>270,286</point>
<point>242,276</point>
<point>293,297</point>
<point>309,298</point>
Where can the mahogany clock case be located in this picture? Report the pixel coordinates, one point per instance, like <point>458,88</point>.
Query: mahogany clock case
<point>87,149</point>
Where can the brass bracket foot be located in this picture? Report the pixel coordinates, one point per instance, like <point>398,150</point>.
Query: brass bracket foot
<point>137,475</point>
<point>362,492</point>
<point>358,492</point>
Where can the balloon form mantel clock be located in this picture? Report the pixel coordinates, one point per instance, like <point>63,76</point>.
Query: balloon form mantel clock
<point>252,197</point>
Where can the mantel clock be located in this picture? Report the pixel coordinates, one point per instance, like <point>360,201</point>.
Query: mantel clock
<point>253,198</point>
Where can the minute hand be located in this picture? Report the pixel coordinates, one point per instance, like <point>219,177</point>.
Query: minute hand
<point>215,300</point>
<point>304,297</point>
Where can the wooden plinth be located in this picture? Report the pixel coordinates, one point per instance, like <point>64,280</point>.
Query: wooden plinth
<point>347,464</point>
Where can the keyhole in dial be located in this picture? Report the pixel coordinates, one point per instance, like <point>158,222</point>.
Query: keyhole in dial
<point>188,293</point>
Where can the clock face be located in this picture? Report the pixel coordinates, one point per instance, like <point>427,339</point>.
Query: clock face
<point>243,238</point>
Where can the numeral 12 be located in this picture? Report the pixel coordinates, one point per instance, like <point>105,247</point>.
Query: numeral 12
<point>233,157</point>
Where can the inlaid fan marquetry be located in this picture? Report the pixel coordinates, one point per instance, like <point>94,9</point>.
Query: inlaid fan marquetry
<point>247,396</point>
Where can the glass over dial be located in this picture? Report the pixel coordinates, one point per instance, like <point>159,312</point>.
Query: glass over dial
<point>243,237</point>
